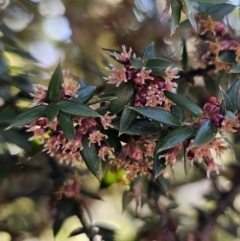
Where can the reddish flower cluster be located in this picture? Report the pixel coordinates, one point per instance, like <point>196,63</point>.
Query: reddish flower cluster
<point>149,87</point>
<point>52,137</point>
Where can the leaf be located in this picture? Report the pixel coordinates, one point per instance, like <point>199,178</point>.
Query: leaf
<point>233,95</point>
<point>127,197</point>
<point>228,57</point>
<point>225,98</point>
<point>85,94</point>
<point>209,1</point>
<point>29,116</point>
<point>77,109</point>
<point>184,56</point>
<point>88,192</point>
<point>136,64</point>
<point>185,160</point>
<point>77,232</point>
<point>175,137</point>
<point>125,93</point>
<point>66,125</point>
<point>235,69</point>
<point>91,158</point>
<point>176,15</point>
<point>127,119</point>
<point>36,148</point>
<point>106,231</point>
<point>143,127</point>
<point>188,7</point>
<point>148,52</point>
<point>55,85</point>
<point>205,134</point>
<point>184,103</point>
<point>51,111</point>
<point>219,11</point>
<point>178,111</point>
<point>159,115</point>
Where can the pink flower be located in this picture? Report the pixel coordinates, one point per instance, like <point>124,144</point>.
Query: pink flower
<point>171,73</point>
<point>116,76</point>
<point>96,137</point>
<point>39,95</point>
<point>106,120</point>
<point>105,151</point>
<point>124,56</point>
<point>143,75</point>
<point>69,89</point>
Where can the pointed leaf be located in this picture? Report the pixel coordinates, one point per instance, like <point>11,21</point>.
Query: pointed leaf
<point>235,69</point>
<point>205,134</point>
<point>36,148</point>
<point>137,64</point>
<point>225,98</point>
<point>91,158</point>
<point>55,85</point>
<point>52,111</point>
<point>175,137</point>
<point>189,12</point>
<point>29,115</point>
<point>219,11</point>
<point>159,115</point>
<point>178,111</point>
<point>76,108</point>
<point>176,15</point>
<point>127,119</point>
<point>185,160</point>
<point>85,94</point>
<point>144,127</point>
<point>184,103</point>
<point>125,93</point>
<point>66,125</point>
<point>148,52</point>
<point>233,94</point>
<point>228,57</point>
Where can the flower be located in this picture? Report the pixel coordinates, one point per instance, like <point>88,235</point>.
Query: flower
<point>39,95</point>
<point>106,120</point>
<point>116,76</point>
<point>171,73</point>
<point>209,25</point>
<point>69,89</point>
<point>124,56</point>
<point>142,76</point>
<point>105,151</point>
<point>96,137</point>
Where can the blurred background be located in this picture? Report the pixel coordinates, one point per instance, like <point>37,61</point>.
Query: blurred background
<point>35,35</point>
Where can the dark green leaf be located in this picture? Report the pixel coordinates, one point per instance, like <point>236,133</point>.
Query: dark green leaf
<point>185,160</point>
<point>205,134</point>
<point>176,15</point>
<point>127,119</point>
<point>91,158</point>
<point>76,108</point>
<point>125,93</point>
<point>209,1</point>
<point>175,137</point>
<point>227,102</point>
<point>52,111</point>
<point>219,11</point>
<point>36,148</point>
<point>178,111</point>
<point>159,115</point>
<point>24,83</point>
<point>189,12</point>
<point>148,52</point>
<point>77,232</point>
<point>184,103</point>
<point>55,85</point>
<point>228,57</point>
<point>233,95</point>
<point>184,56</point>
<point>137,64</point>
<point>88,192</point>
<point>85,94</point>
<point>66,124</point>
<point>29,115</point>
<point>113,140</point>
<point>144,127</point>
<point>235,69</point>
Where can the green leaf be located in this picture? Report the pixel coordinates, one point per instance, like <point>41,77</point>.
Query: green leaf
<point>125,93</point>
<point>184,103</point>
<point>148,52</point>
<point>29,115</point>
<point>52,111</point>
<point>159,115</point>
<point>91,158</point>
<point>209,1</point>
<point>184,55</point>
<point>176,15</point>
<point>185,160</point>
<point>127,119</point>
<point>227,102</point>
<point>66,124</point>
<point>175,137</point>
<point>178,111</point>
<point>137,64</point>
<point>219,11</point>
<point>233,95</point>
<point>55,85</point>
<point>205,134</point>
<point>189,12</point>
<point>36,148</point>
<point>143,127</point>
<point>85,94</point>
<point>76,108</point>
<point>228,57</point>
<point>235,69</point>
